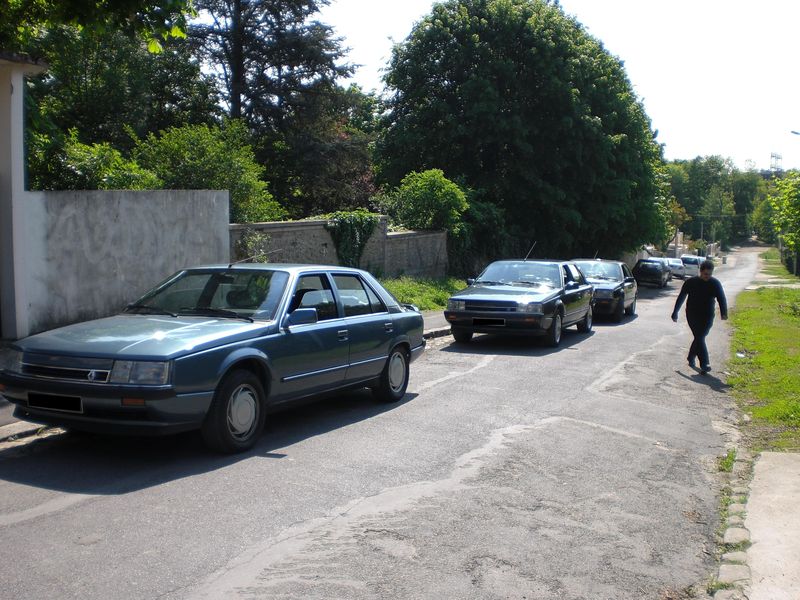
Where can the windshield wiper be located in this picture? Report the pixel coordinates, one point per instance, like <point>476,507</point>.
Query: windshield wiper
<point>153,310</point>
<point>215,312</point>
<point>487,282</point>
<point>535,283</point>
<point>603,278</point>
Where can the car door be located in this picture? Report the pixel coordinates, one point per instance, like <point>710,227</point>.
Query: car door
<point>571,298</point>
<point>369,326</point>
<point>629,285</point>
<point>314,356</point>
<point>583,297</point>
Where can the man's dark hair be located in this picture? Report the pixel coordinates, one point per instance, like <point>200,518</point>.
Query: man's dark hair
<point>707,265</point>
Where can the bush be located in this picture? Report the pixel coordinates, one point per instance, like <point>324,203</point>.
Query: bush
<point>426,200</point>
<point>351,231</point>
<point>198,157</point>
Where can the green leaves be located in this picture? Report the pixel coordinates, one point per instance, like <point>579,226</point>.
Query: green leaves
<point>785,201</point>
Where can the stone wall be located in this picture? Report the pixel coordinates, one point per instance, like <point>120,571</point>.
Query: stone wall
<point>89,253</point>
<point>417,253</point>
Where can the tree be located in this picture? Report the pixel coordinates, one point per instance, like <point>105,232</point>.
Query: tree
<point>427,200</point>
<point>202,157</point>
<point>516,99</point>
<point>716,215</point>
<point>154,20</point>
<point>749,190</point>
<point>785,201</point>
<point>692,182</point>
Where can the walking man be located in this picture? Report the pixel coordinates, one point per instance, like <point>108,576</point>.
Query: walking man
<point>702,291</point>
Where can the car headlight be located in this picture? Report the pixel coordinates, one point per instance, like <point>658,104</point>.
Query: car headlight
<point>10,360</point>
<point>603,294</point>
<point>456,305</point>
<point>530,307</point>
<point>140,372</point>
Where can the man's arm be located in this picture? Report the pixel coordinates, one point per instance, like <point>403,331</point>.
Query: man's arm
<point>680,299</point>
<point>723,303</point>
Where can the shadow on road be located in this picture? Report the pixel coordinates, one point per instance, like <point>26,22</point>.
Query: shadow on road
<point>715,383</point>
<point>109,465</point>
<point>514,345</point>
<point>648,292</point>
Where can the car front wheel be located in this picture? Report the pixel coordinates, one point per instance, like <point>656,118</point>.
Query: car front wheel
<point>554,333</point>
<point>394,379</point>
<point>462,336</point>
<point>236,417</point>
<point>631,310</point>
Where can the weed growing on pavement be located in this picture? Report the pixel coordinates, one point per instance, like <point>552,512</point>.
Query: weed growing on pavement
<point>716,585</point>
<point>725,463</point>
<point>425,294</point>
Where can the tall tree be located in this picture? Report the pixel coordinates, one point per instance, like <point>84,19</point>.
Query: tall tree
<point>154,20</point>
<point>515,98</point>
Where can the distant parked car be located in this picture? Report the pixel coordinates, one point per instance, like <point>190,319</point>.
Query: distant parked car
<point>692,264</point>
<point>651,270</point>
<point>615,288</point>
<point>665,262</point>
<point>677,267</point>
<point>215,348</point>
<point>523,297</point>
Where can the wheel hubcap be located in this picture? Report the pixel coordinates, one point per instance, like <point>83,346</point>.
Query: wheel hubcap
<point>397,371</point>
<point>242,412</point>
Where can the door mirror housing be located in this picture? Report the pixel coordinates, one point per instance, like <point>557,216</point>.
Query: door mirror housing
<point>572,285</point>
<point>470,281</point>
<point>300,316</point>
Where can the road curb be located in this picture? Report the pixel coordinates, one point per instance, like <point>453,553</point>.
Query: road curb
<point>20,429</point>
<point>436,332</point>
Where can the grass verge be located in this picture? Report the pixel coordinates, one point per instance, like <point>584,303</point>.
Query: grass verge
<point>765,364</point>
<point>425,294</point>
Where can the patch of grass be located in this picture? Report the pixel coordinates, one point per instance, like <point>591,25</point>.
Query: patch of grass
<point>725,463</point>
<point>773,265</point>
<point>716,585</point>
<point>765,365</point>
<point>425,294</point>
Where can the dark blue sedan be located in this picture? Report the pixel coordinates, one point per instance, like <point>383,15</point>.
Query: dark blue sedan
<point>216,348</point>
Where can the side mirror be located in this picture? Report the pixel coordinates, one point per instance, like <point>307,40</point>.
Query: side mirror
<point>571,285</point>
<point>470,281</point>
<point>630,279</point>
<point>300,316</point>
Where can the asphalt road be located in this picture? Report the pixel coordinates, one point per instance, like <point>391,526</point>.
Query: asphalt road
<point>510,470</point>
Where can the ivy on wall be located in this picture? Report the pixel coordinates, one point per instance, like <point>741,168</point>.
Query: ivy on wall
<point>350,231</point>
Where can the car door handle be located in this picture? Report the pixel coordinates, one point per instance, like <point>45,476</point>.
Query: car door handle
<point>343,335</point>
<point>389,327</point>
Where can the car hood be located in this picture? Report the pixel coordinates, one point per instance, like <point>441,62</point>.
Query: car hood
<point>507,292</point>
<point>139,336</point>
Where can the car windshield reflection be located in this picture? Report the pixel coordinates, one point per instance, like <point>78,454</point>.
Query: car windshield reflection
<point>602,271</point>
<point>534,274</point>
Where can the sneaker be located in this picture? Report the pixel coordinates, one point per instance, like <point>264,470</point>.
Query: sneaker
<point>706,368</point>
<point>692,363</point>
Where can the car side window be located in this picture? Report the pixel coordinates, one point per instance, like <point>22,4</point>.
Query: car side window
<point>314,291</point>
<point>357,299</point>
<point>567,274</point>
<point>626,271</point>
<point>576,274</point>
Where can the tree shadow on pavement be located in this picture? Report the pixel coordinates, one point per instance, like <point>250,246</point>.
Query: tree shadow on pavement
<point>111,465</point>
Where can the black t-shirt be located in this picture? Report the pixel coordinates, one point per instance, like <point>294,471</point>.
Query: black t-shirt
<point>701,295</point>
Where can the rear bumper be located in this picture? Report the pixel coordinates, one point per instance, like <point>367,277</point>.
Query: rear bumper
<point>502,323</point>
<point>99,408</point>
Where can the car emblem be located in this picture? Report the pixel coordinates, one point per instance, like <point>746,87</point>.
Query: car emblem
<point>93,375</point>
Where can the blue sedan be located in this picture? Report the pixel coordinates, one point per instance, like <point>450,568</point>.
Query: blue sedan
<point>216,348</point>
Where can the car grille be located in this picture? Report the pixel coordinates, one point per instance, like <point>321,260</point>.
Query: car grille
<point>491,306</point>
<point>67,368</point>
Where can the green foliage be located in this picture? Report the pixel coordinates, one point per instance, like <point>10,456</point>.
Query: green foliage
<point>427,200</point>
<point>425,294</point>
<point>94,167</point>
<point>515,98</point>
<point>201,157</point>
<point>350,231</point>
<point>762,222</point>
<point>253,244</point>
<point>154,20</point>
<point>785,202</point>
<point>482,238</point>
<point>725,463</point>
<point>716,212</point>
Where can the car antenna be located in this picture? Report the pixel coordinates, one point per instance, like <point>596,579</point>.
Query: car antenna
<point>251,258</point>
<point>529,251</point>
<point>596,253</point>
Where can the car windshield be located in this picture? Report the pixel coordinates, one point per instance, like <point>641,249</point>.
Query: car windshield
<point>594,269</point>
<point>676,262</point>
<point>233,293</point>
<point>522,273</point>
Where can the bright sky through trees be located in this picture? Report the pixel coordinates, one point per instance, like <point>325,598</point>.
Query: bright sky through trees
<point>716,76</point>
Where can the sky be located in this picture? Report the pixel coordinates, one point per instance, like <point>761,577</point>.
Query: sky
<point>715,76</point>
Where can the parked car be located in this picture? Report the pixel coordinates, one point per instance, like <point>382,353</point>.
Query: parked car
<point>692,264</point>
<point>677,267</point>
<point>615,288</point>
<point>651,270</point>
<point>528,297</point>
<point>215,348</point>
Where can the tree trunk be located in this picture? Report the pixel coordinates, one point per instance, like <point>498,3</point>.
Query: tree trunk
<point>237,60</point>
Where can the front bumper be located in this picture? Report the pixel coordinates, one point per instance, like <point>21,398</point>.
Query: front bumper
<point>606,306</point>
<point>98,407</point>
<point>502,323</point>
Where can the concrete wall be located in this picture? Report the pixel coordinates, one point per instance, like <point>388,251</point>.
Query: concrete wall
<point>88,253</point>
<point>418,253</point>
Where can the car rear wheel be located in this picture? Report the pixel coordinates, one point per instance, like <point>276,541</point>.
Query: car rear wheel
<point>462,336</point>
<point>585,326</point>
<point>394,379</point>
<point>631,310</point>
<point>554,333</point>
<point>236,417</point>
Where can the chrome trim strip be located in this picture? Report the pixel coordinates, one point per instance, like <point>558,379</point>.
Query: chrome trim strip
<point>312,373</point>
<point>369,360</point>
<point>106,372</point>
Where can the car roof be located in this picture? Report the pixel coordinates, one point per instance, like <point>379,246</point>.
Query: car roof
<point>290,267</point>
<point>603,260</point>
<point>531,260</point>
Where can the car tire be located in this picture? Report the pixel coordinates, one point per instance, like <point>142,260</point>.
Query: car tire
<point>619,310</point>
<point>235,420</point>
<point>394,378</point>
<point>585,326</point>
<point>631,310</point>
<point>553,336</point>
<point>462,336</point>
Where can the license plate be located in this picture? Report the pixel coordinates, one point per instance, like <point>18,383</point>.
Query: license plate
<point>53,402</point>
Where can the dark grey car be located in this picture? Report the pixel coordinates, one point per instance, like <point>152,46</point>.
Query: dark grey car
<point>615,288</point>
<point>522,297</point>
<point>216,348</point>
